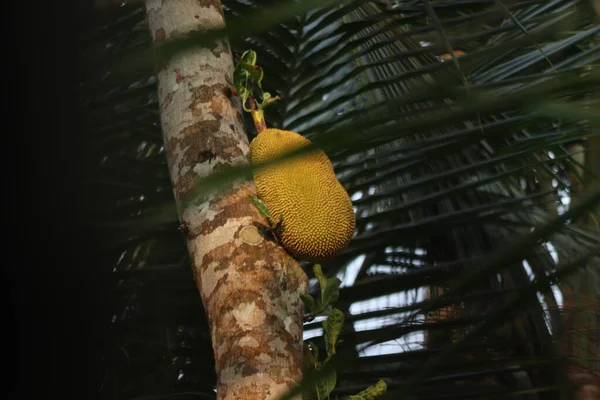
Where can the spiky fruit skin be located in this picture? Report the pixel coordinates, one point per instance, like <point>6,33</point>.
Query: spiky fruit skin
<point>303,194</point>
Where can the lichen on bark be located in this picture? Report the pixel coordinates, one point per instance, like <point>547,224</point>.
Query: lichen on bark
<point>250,286</point>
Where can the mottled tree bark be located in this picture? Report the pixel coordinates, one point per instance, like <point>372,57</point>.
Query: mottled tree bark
<point>250,287</point>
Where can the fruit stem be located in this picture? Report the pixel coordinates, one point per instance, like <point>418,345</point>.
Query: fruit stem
<point>258,116</point>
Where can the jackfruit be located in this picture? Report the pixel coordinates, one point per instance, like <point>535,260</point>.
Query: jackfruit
<point>310,209</point>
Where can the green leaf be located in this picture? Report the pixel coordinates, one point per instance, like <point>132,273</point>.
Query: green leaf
<point>322,278</point>
<point>333,326</point>
<point>268,100</point>
<point>372,392</point>
<point>331,292</point>
<point>310,358</point>
<point>309,303</point>
<point>260,206</point>
<point>246,75</point>
<point>326,385</point>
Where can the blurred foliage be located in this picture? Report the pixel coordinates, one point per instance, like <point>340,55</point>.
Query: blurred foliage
<point>450,164</point>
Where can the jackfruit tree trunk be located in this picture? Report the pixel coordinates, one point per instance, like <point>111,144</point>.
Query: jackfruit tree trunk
<point>250,287</point>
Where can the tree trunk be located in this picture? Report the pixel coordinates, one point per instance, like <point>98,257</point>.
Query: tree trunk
<point>250,286</point>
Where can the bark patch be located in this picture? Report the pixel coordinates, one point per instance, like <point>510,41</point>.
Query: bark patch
<point>167,101</point>
<point>184,183</point>
<point>251,235</point>
<point>248,370</point>
<point>178,77</point>
<point>214,3</point>
<point>229,207</point>
<point>160,35</point>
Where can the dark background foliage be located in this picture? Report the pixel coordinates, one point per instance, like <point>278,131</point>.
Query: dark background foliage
<point>55,292</point>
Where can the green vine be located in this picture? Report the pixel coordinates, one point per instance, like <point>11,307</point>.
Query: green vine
<point>332,327</point>
<point>247,79</point>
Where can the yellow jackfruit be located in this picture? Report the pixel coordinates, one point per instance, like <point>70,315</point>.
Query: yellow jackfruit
<point>311,210</point>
